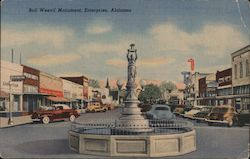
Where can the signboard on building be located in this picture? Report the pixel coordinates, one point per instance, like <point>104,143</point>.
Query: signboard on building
<point>17,78</point>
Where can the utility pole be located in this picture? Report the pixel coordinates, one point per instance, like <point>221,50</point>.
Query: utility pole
<point>12,55</point>
<point>20,58</point>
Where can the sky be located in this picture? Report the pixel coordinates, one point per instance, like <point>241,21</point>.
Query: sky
<point>166,33</point>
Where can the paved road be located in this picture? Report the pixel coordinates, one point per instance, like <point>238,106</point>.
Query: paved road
<point>50,141</point>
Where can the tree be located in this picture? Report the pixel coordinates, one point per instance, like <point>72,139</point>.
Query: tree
<point>150,94</point>
<point>167,87</point>
<point>94,83</point>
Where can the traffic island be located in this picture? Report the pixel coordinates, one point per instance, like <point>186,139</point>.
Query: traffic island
<point>132,134</point>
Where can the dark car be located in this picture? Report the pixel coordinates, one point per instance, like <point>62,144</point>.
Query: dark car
<point>224,114</point>
<point>243,117</point>
<point>202,115</point>
<point>55,112</point>
<point>145,107</point>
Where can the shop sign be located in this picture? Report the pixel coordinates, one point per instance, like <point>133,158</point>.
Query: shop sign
<point>17,78</point>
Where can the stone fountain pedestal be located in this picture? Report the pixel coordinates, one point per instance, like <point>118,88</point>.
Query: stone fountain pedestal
<point>131,119</point>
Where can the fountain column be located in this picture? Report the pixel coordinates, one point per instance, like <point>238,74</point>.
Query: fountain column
<point>131,118</point>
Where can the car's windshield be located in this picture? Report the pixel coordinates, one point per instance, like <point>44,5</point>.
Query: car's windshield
<point>161,108</point>
<point>219,110</point>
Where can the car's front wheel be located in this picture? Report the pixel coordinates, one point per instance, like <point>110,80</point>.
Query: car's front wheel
<point>45,120</point>
<point>72,118</point>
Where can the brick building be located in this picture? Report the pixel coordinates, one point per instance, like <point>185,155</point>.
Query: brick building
<point>224,89</point>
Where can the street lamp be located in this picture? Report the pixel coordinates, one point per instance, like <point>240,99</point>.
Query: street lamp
<point>10,121</point>
<point>119,84</point>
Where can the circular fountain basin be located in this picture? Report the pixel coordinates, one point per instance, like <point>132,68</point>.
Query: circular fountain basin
<point>112,142</point>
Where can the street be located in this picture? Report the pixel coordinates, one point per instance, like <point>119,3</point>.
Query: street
<point>51,141</point>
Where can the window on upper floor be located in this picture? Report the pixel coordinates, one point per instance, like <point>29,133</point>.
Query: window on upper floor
<point>247,68</point>
<point>235,71</point>
<point>241,70</point>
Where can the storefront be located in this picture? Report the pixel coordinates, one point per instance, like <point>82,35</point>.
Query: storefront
<point>240,78</point>
<point>31,97</point>
<point>81,80</point>
<point>53,87</point>
<point>11,97</point>
<point>10,88</point>
<point>224,90</point>
<point>73,92</point>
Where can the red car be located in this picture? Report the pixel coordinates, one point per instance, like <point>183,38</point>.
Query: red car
<point>55,112</point>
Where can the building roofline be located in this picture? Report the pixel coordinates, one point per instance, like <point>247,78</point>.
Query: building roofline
<point>74,77</point>
<point>30,67</point>
<point>241,51</point>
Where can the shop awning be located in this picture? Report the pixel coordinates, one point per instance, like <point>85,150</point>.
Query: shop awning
<point>58,99</point>
<point>4,94</point>
<point>37,94</point>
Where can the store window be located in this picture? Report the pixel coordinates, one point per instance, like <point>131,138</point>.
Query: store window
<point>3,104</point>
<point>241,70</point>
<point>30,89</point>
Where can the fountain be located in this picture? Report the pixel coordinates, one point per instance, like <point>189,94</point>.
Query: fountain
<point>132,134</point>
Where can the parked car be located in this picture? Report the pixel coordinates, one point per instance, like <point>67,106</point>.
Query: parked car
<point>202,115</point>
<point>194,110</point>
<point>145,107</point>
<point>80,109</point>
<point>187,108</point>
<point>95,106</point>
<point>55,112</point>
<point>223,115</point>
<point>179,109</point>
<point>243,117</point>
<point>159,111</point>
<point>108,106</point>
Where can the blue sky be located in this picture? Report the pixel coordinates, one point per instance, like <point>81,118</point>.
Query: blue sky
<point>166,34</point>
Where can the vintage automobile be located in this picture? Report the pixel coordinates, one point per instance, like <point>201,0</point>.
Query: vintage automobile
<point>159,111</point>
<point>190,113</point>
<point>243,117</point>
<point>224,114</point>
<point>95,106</point>
<point>145,107</point>
<point>202,115</point>
<point>55,112</point>
<point>179,109</point>
<point>186,109</point>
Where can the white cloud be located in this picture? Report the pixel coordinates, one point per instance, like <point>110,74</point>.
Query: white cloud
<point>49,60</point>
<point>97,48</point>
<point>214,68</point>
<point>157,61</point>
<point>216,39</point>
<point>98,27</point>
<point>37,35</point>
<point>152,62</point>
<point>116,62</point>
